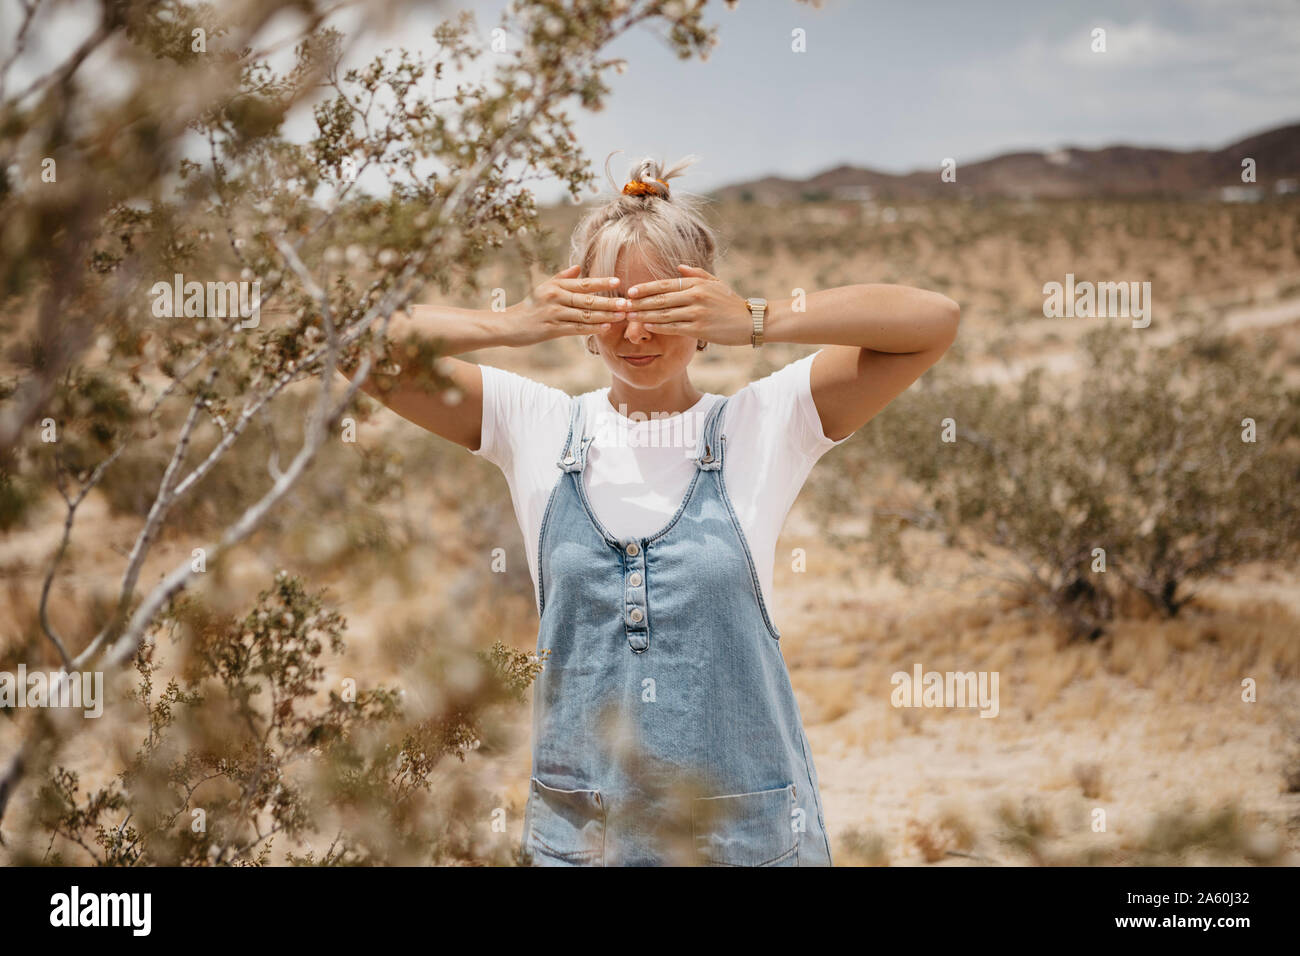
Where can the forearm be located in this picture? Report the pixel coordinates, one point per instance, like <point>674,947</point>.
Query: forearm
<point>450,330</point>
<point>877,316</point>
<point>455,330</point>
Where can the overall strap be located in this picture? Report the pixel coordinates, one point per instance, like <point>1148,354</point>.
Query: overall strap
<point>708,451</point>
<point>575,444</point>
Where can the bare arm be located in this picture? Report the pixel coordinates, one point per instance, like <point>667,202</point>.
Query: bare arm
<point>878,339</point>
<point>563,305</point>
<point>459,330</point>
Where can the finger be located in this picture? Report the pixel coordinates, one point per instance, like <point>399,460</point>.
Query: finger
<point>588,283</point>
<point>663,300</point>
<point>583,316</point>
<point>673,328</point>
<point>668,320</point>
<point>694,272</point>
<point>580,328</point>
<point>594,303</point>
<point>657,286</point>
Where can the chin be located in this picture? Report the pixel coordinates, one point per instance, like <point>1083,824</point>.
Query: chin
<point>642,378</point>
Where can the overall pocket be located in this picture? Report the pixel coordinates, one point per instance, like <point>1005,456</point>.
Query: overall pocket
<point>565,827</point>
<point>746,829</point>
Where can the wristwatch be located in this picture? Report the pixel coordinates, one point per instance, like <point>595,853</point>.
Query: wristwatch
<point>757,309</point>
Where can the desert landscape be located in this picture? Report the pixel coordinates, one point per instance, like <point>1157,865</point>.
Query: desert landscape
<point>1143,720</point>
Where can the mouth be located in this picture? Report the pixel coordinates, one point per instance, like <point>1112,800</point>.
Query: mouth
<point>638,360</point>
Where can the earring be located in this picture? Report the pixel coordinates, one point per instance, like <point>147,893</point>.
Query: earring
<point>701,345</point>
<point>589,348</point>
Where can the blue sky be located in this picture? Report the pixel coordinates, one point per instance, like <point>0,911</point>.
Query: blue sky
<point>901,85</point>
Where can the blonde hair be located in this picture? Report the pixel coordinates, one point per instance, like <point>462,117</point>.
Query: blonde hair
<point>664,226</point>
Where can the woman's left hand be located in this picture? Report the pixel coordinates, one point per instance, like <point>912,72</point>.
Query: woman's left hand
<point>704,307</point>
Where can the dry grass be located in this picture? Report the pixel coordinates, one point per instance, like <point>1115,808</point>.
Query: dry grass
<point>1136,748</point>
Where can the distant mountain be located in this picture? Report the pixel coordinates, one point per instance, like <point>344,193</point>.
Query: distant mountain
<point>1128,171</point>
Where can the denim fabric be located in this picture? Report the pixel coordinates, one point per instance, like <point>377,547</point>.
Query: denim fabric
<point>667,638</point>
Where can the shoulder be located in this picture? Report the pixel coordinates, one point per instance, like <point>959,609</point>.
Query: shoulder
<point>516,396</point>
<point>779,407</point>
<point>518,411</point>
<point>506,386</point>
<point>784,382</point>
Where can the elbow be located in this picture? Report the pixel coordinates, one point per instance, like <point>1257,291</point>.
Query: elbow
<point>951,321</point>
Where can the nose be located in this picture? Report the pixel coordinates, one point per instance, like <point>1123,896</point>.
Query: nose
<point>636,331</point>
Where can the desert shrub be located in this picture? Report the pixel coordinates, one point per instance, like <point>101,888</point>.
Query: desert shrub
<point>857,848</point>
<point>198,426</point>
<point>1291,763</point>
<point>17,495</point>
<point>245,743</point>
<point>1138,481</point>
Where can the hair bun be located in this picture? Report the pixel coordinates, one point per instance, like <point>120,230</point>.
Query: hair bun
<point>652,187</point>
<point>663,233</point>
<point>649,177</point>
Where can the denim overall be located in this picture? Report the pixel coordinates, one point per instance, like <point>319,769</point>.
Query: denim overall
<point>665,728</point>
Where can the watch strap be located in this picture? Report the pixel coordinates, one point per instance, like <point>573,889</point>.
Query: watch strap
<point>758,311</point>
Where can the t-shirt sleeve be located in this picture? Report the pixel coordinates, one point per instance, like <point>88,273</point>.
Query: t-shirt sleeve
<point>785,399</point>
<point>515,409</point>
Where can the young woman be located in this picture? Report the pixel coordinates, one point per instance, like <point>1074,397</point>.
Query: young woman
<point>651,510</point>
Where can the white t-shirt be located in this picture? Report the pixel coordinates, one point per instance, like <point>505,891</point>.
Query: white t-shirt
<point>638,470</point>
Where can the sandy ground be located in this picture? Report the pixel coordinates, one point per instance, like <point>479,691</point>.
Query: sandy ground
<point>1147,723</point>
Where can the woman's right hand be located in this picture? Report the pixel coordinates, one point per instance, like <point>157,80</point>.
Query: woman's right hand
<point>566,305</point>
